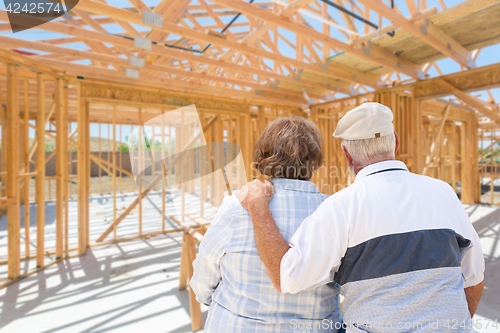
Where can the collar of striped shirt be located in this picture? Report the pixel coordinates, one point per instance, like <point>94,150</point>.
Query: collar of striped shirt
<point>380,166</point>
<point>294,185</point>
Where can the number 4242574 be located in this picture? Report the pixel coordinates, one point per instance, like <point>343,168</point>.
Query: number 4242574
<point>34,8</point>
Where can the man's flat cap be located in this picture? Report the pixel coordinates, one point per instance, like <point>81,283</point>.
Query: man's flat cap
<point>367,121</point>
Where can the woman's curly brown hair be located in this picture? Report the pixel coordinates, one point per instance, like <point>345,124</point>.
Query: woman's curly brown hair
<point>289,148</point>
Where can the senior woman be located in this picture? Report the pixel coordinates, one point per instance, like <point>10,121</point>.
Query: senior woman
<point>229,275</point>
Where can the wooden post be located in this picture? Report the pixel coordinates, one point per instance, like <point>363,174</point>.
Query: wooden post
<point>61,137</point>
<point>82,170</point>
<point>465,163</point>
<point>203,167</point>
<point>66,170</point>
<point>262,119</point>
<point>247,123</point>
<point>492,179</point>
<point>190,162</point>
<point>182,166</point>
<point>132,183</point>
<point>195,309</point>
<point>164,185</point>
<point>87,172</point>
<point>100,156</point>
<point>476,188</point>
<point>121,159</point>
<point>109,158</point>
<point>26,160</point>
<point>141,156</point>
<point>5,132</point>
<point>218,179</point>
<point>114,170</point>
<point>40,164</point>
<point>452,152</point>
<point>437,140</point>
<point>417,135</point>
<point>13,164</point>
<point>442,152</point>
<point>183,270</point>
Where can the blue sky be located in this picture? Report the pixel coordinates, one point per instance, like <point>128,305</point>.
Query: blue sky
<point>488,55</point>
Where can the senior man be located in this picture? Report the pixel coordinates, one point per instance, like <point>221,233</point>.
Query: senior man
<point>400,244</point>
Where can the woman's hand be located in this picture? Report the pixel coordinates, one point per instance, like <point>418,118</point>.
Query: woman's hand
<point>256,194</point>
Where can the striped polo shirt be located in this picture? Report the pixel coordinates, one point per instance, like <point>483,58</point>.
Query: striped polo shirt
<point>400,245</point>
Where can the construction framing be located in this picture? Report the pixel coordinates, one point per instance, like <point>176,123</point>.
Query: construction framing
<point>239,83</point>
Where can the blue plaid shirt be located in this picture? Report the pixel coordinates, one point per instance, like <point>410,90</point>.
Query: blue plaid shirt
<point>230,276</point>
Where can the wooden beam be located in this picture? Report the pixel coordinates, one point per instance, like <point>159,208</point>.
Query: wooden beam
<point>162,51</point>
<point>262,29</point>
<point>124,62</point>
<point>427,31</point>
<point>293,7</point>
<point>25,62</point>
<point>380,56</point>
<point>114,168</point>
<point>153,183</point>
<point>40,164</point>
<point>485,150</point>
<point>188,230</point>
<point>61,160</point>
<point>83,172</point>
<point>428,162</point>
<point>109,74</point>
<point>26,150</point>
<point>472,101</point>
<point>13,166</point>
<point>4,201</point>
<point>98,159</point>
<point>390,27</point>
<point>114,12</point>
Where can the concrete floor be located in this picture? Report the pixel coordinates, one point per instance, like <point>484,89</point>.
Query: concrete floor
<point>133,286</point>
<point>486,221</point>
<point>101,216</point>
<point>127,287</point>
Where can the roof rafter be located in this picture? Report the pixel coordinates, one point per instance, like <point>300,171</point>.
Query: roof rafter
<point>379,55</point>
<point>162,51</point>
<point>428,32</point>
<point>355,75</point>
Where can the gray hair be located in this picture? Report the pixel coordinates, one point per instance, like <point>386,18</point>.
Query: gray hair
<point>369,151</point>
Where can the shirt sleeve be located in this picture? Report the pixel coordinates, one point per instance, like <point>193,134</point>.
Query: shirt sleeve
<point>315,253</point>
<point>207,274</point>
<point>473,260</point>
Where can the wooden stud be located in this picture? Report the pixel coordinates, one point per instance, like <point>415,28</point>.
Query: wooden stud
<point>66,170</point>
<point>164,184</point>
<point>195,309</point>
<point>40,164</point>
<point>100,157</point>
<point>13,165</point>
<point>114,170</point>
<point>436,140</point>
<point>60,163</point>
<point>452,153</point>
<point>141,156</point>
<point>26,159</point>
<point>167,168</point>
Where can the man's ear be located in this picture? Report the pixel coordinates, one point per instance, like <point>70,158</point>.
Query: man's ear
<point>397,142</point>
<point>347,156</point>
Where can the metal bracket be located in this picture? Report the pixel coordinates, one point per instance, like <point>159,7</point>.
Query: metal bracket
<point>153,19</point>
<point>142,43</point>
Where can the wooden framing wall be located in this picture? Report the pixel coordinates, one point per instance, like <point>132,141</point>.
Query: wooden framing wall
<point>488,162</point>
<point>437,138</point>
<point>52,104</point>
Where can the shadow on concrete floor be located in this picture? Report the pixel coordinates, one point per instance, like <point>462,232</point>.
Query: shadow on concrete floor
<point>128,287</point>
